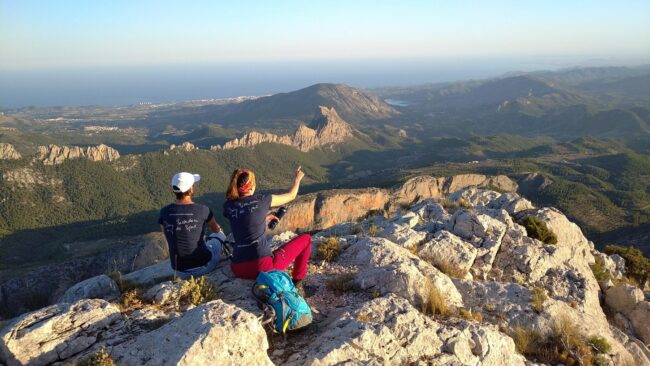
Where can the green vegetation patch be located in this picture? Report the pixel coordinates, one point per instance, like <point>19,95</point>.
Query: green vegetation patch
<point>637,266</point>
<point>537,229</point>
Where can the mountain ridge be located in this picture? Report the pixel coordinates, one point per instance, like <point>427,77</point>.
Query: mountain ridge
<point>326,129</point>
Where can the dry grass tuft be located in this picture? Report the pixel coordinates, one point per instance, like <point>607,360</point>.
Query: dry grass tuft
<point>477,316</point>
<point>363,318</point>
<point>373,230</point>
<point>537,298</point>
<point>464,204</point>
<point>434,301</point>
<point>132,300</point>
<point>465,314</point>
<point>447,267</point>
<point>101,357</point>
<point>329,249</point>
<point>526,340</point>
<point>564,345</point>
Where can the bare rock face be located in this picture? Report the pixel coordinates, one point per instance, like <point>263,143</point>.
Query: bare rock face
<point>640,319</point>
<point>54,154</point>
<point>185,146</point>
<point>325,209</point>
<point>98,287</point>
<point>8,152</point>
<point>623,298</point>
<point>214,333</point>
<point>255,138</point>
<point>326,129</point>
<point>389,268</point>
<point>447,249</point>
<point>391,331</point>
<point>379,321</point>
<point>28,178</point>
<point>56,332</point>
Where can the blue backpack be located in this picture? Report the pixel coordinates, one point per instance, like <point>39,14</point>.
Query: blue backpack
<point>275,289</point>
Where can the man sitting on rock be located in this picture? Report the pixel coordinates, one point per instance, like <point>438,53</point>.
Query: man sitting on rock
<point>183,223</point>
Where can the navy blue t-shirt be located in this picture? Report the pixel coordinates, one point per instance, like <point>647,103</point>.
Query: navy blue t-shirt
<point>247,218</point>
<point>184,227</point>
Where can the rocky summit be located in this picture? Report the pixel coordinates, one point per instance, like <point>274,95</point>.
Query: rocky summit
<point>326,129</point>
<point>8,152</point>
<point>54,154</point>
<point>446,271</point>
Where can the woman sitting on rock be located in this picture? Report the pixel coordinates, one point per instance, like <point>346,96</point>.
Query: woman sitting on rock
<point>249,214</point>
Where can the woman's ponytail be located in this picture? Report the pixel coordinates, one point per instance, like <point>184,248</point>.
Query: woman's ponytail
<point>241,182</point>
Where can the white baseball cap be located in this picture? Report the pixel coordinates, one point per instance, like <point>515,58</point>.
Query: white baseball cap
<point>182,182</point>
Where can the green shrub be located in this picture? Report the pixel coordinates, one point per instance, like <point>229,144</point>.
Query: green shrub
<point>637,266</point>
<point>196,291</point>
<point>329,249</point>
<point>599,344</point>
<point>343,283</point>
<point>599,271</point>
<point>536,228</point>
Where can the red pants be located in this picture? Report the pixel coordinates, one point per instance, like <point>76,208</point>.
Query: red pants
<point>297,249</point>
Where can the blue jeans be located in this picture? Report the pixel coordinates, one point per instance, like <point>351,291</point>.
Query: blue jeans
<point>196,272</point>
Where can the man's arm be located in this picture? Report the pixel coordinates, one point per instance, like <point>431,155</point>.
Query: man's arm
<point>282,199</point>
<point>214,227</point>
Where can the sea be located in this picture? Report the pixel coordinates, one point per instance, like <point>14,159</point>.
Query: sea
<point>125,85</point>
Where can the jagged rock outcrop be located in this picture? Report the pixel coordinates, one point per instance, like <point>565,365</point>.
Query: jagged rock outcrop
<point>631,309</point>
<point>373,303</point>
<point>8,152</point>
<point>326,129</point>
<point>99,287</point>
<point>391,331</point>
<point>54,154</point>
<point>215,333</point>
<point>185,146</point>
<point>321,210</point>
<point>57,332</point>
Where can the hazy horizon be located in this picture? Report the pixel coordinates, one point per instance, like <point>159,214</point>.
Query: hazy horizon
<point>117,86</point>
<point>74,52</point>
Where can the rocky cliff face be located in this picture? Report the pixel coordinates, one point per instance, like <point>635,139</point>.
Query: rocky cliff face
<point>451,279</point>
<point>327,128</point>
<point>44,285</point>
<point>54,154</point>
<point>8,152</point>
<point>318,211</point>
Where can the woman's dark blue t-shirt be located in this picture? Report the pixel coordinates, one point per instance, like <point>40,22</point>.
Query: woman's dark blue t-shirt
<point>247,218</point>
<point>184,227</point>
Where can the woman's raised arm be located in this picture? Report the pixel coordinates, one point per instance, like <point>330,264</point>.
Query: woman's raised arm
<point>283,199</point>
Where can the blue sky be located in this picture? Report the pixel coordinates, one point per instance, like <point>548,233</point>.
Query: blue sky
<point>67,33</point>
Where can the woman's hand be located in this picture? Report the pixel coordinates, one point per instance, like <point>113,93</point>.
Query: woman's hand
<point>299,174</point>
<point>283,199</point>
<point>270,217</point>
